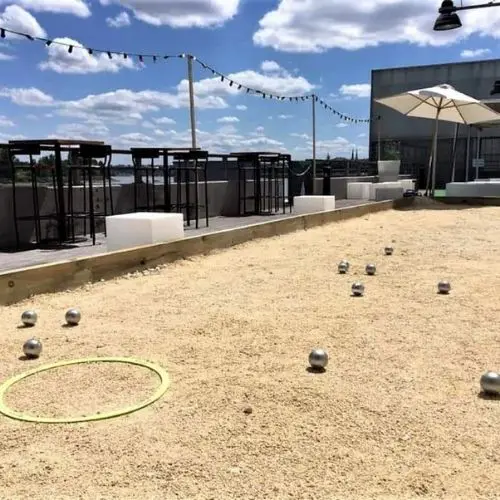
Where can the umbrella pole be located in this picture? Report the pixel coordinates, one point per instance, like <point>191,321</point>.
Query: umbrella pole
<point>429,170</point>
<point>467,154</point>
<point>454,152</point>
<point>434,156</point>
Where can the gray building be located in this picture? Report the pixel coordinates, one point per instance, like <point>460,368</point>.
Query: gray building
<point>414,135</point>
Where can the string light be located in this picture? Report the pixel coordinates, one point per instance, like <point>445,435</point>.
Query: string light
<point>223,78</point>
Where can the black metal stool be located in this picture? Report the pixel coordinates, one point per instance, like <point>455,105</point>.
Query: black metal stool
<point>144,176</point>
<point>35,174</point>
<point>88,162</point>
<point>187,167</point>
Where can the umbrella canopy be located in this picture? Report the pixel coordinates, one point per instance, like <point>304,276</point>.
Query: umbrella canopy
<point>441,102</point>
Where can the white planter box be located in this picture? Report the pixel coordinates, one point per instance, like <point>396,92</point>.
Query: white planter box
<point>310,204</point>
<point>388,170</point>
<point>142,228</point>
<point>358,190</point>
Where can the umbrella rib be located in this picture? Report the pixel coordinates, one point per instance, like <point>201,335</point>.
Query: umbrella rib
<point>422,101</point>
<point>461,115</point>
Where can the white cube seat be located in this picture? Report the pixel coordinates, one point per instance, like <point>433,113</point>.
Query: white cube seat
<point>142,228</point>
<point>309,204</point>
<point>389,193</point>
<point>383,185</point>
<point>474,189</point>
<point>407,184</point>
<point>358,190</point>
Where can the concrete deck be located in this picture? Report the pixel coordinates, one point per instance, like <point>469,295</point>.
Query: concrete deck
<point>18,260</point>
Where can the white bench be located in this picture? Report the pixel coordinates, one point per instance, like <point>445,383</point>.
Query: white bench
<point>309,204</point>
<point>474,189</point>
<point>142,228</point>
<point>358,190</point>
<point>388,193</point>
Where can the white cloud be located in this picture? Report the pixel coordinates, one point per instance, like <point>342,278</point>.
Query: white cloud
<point>6,57</point>
<point>125,106</point>
<point>300,136</point>
<point>228,119</point>
<point>258,131</point>
<point>27,96</point>
<point>356,90</point>
<point>181,13</point>
<point>341,125</point>
<point>11,137</point>
<point>282,84</point>
<point>241,107</point>
<point>339,146</point>
<point>17,19</point>
<point>5,122</point>
<point>134,139</point>
<point>81,131</point>
<point>270,66</point>
<point>223,140</point>
<point>119,21</point>
<point>80,61</point>
<point>285,117</point>
<point>320,25</point>
<point>473,53</point>
<point>164,120</point>
<point>120,106</point>
<point>362,135</point>
<point>76,7</point>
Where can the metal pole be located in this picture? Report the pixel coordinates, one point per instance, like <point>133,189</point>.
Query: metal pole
<point>454,152</point>
<point>378,137</point>
<point>314,142</point>
<point>467,154</point>
<point>191,100</point>
<point>479,130</point>
<point>434,156</point>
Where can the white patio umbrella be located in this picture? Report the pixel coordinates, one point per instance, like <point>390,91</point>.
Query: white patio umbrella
<point>441,102</point>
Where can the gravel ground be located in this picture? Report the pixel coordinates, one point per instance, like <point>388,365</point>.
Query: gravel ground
<point>397,414</point>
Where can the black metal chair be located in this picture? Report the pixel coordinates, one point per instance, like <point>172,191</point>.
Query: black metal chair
<point>145,180</point>
<point>86,165</point>
<point>36,172</point>
<point>186,168</point>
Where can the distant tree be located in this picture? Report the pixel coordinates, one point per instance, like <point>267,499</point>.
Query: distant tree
<point>46,161</point>
<point>328,157</point>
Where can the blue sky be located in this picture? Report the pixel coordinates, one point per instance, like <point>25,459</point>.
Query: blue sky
<point>287,47</point>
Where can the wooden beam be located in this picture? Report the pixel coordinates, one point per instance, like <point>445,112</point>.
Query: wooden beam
<point>23,283</point>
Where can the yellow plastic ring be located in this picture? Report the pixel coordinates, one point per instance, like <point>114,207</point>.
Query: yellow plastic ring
<point>160,391</point>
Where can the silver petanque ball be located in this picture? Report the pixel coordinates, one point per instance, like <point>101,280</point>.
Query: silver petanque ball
<point>490,383</point>
<point>29,318</point>
<point>388,250</point>
<point>444,287</point>
<point>73,317</point>
<point>371,269</point>
<point>318,359</point>
<point>32,348</point>
<point>358,289</point>
<point>343,267</point>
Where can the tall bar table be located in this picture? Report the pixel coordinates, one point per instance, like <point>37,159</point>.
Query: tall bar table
<point>54,146</point>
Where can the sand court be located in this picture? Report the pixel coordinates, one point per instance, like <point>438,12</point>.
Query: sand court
<point>397,414</point>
